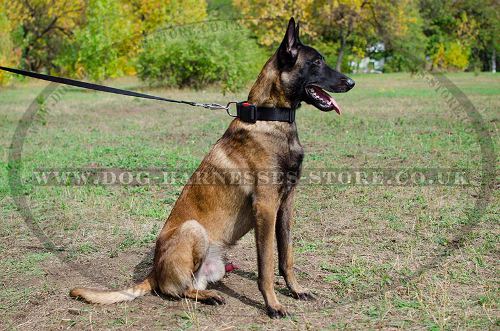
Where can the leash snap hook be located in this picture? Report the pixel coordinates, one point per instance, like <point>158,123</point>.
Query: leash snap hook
<point>211,106</point>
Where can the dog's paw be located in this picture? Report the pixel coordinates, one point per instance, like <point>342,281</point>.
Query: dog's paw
<point>305,296</point>
<point>277,312</point>
<point>215,300</point>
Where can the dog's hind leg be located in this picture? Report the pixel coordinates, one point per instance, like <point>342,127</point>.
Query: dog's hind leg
<point>210,297</point>
<point>211,270</point>
<point>186,262</point>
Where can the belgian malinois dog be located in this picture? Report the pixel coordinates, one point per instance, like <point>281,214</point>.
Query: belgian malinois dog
<point>208,218</point>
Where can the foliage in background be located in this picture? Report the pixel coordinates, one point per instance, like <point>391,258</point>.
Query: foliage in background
<point>451,56</point>
<point>200,56</point>
<point>7,55</point>
<point>41,27</point>
<point>404,40</point>
<point>98,39</point>
<point>346,30</point>
<point>461,32</point>
<point>154,14</point>
<point>344,23</point>
<point>109,42</point>
<point>267,19</point>
<point>102,47</point>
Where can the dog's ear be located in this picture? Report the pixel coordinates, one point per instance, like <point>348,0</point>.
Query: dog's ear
<point>289,48</point>
<point>297,33</point>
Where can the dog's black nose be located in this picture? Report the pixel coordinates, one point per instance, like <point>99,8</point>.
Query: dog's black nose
<point>350,83</point>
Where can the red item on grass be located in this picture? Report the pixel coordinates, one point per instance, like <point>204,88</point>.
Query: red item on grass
<point>231,267</point>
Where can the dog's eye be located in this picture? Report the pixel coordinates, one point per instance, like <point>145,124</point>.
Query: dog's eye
<point>318,62</point>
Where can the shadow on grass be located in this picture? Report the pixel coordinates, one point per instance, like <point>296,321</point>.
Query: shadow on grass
<point>142,269</point>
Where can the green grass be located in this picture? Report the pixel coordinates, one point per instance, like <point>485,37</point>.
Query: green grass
<point>28,265</point>
<point>350,241</point>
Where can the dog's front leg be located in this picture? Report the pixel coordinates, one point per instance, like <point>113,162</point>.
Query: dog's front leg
<point>285,249</point>
<point>266,207</point>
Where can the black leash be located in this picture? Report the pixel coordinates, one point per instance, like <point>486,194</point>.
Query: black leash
<point>107,89</point>
<point>245,111</point>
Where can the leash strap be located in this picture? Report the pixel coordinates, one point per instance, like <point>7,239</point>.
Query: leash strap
<point>107,89</point>
<point>245,111</point>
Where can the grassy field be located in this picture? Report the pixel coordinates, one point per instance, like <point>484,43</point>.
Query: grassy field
<point>354,244</point>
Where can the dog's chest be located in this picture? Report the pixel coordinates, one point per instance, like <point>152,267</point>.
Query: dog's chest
<point>290,163</point>
<point>294,156</point>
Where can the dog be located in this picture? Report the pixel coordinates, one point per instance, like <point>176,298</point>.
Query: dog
<point>206,219</point>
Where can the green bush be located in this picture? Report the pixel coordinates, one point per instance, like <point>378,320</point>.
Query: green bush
<point>451,56</point>
<point>100,48</point>
<point>201,54</point>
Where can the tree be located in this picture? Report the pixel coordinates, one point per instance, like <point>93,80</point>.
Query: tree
<point>93,38</point>
<point>7,53</point>
<point>462,29</point>
<point>344,27</point>
<point>43,26</point>
<point>102,47</point>
<point>154,14</point>
<point>399,25</point>
<point>340,20</point>
<point>484,42</point>
<point>267,19</point>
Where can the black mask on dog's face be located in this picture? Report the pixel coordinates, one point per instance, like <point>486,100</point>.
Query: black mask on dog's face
<point>305,74</point>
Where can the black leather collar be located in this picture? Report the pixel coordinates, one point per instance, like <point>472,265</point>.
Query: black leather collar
<point>251,113</point>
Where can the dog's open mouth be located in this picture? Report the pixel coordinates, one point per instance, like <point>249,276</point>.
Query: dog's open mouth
<point>321,99</point>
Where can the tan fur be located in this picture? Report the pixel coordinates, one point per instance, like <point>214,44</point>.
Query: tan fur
<point>267,90</point>
<point>109,297</point>
<point>207,218</point>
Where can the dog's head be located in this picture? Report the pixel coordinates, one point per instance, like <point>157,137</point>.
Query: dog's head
<point>304,74</point>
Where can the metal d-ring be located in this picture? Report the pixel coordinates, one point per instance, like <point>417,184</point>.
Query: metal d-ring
<point>227,108</point>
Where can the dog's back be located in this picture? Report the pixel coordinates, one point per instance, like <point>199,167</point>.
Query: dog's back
<point>246,181</point>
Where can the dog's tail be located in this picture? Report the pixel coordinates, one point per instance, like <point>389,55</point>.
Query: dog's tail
<point>107,297</point>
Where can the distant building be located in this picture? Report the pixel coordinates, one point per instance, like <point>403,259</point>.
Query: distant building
<point>369,65</point>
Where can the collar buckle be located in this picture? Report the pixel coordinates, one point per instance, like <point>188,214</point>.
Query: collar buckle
<point>246,112</point>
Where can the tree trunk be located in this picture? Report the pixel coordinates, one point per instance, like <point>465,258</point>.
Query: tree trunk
<point>494,60</point>
<point>340,56</point>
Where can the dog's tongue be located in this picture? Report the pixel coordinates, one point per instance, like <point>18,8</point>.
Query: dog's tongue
<point>328,98</point>
<point>335,105</point>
